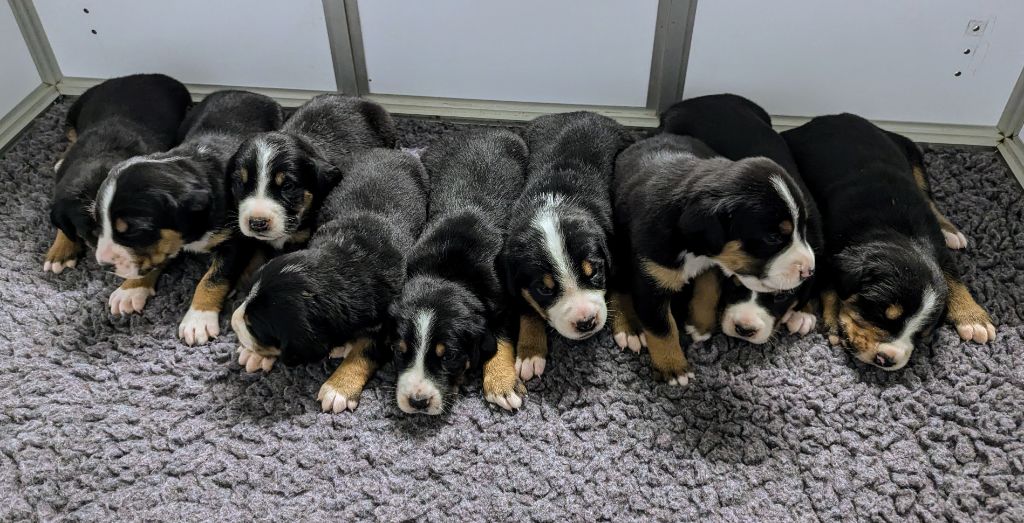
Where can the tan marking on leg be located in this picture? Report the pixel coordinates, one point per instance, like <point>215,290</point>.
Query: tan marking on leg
<point>971,321</point>
<point>501,381</point>
<point>703,310</point>
<point>533,338</point>
<point>148,281</point>
<point>63,249</point>
<point>830,316</point>
<point>920,180</point>
<point>355,370</point>
<point>734,258</point>
<point>533,303</point>
<point>72,134</point>
<point>667,354</point>
<point>666,277</point>
<point>209,295</point>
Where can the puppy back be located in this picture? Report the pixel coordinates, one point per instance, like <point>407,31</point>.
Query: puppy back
<point>340,125</point>
<point>151,103</point>
<point>239,113</point>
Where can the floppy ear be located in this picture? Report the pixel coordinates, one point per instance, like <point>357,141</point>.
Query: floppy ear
<point>485,349</point>
<point>327,175</point>
<point>703,232</point>
<point>194,211</point>
<point>849,268</point>
<point>505,269</point>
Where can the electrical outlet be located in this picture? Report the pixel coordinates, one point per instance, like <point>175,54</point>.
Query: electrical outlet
<point>976,27</point>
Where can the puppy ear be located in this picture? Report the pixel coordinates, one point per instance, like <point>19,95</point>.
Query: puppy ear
<point>485,349</point>
<point>703,231</point>
<point>849,271</point>
<point>327,175</point>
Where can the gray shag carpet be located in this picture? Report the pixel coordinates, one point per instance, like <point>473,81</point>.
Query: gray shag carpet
<point>110,418</point>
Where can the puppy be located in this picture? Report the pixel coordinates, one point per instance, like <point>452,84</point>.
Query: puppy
<point>150,208</point>
<point>890,280</point>
<point>557,254</point>
<point>737,128</point>
<point>280,178</point>
<point>450,315</point>
<point>113,121</point>
<point>680,209</point>
<point>332,297</point>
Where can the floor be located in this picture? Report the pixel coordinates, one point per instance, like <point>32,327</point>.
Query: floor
<point>104,418</point>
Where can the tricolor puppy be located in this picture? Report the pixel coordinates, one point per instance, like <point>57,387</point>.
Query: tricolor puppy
<point>557,252</point>
<point>113,121</point>
<point>451,313</point>
<point>889,279</point>
<point>681,209</point>
<point>150,208</point>
<point>280,178</point>
<point>332,298</point>
<point>737,128</point>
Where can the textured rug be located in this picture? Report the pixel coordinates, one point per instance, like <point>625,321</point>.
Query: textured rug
<point>109,418</point>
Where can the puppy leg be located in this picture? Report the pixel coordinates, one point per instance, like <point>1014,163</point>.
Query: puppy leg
<point>63,253</point>
<point>830,316</point>
<point>703,309</point>
<point>954,238</point>
<point>654,310</point>
<point>201,322</point>
<point>532,348</point>
<point>342,390</point>
<point>801,321</point>
<point>501,378</point>
<point>625,325</point>
<point>971,321</point>
<point>131,296</point>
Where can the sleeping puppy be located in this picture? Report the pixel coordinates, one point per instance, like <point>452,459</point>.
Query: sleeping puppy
<point>150,208</point>
<point>737,128</point>
<point>113,121</point>
<point>681,209</point>
<point>280,178</point>
<point>557,254</point>
<point>332,298</point>
<point>890,280</point>
<point>450,315</point>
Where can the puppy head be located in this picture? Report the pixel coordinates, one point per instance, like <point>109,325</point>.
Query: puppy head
<point>441,331</point>
<point>276,180</point>
<point>557,260</point>
<point>753,316</point>
<point>281,316</point>
<point>146,211</point>
<point>891,298</point>
<point>754,225</point>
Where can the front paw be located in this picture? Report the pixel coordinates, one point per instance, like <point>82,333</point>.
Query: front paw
<point>335,400</point>
<point>198,326</point>
<point>527,368</point>
<point>801,322</point>
<point>57,265</point>
<point>127,301</point>
<point>980,332</point>
<point>253,362</point>
<point>954,239</point>
<point>696,335</point>
<point>505,390</point>
<point>679,377</point>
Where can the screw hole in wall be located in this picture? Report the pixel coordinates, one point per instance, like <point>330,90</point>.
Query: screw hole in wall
<point>967,51</point>
<point>957,74</point>
<point>975,28</point>
<point>93,31</point>
<point>86,11</point>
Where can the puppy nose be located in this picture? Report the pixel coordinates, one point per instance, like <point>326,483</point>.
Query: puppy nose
<point>884,360</point>
<point>587,324</point>
<point>259,224</point>
<point>745,332</point>
<point>806,272</point>
<point>419,403</point>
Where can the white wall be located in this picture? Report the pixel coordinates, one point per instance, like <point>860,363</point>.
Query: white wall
<point>16,66</point>
<point>568,51</point>
<point>884,59</point>
<point>258,43</point>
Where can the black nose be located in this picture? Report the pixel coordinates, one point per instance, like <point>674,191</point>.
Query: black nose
<point>587,325</point>
<point>745,332</point>
<point>418,403</point>
<point>884,360</point>
<point>807,274</point>
<point>259,224</point>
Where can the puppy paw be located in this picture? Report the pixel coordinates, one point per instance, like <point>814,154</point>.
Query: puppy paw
<point>253,362</point>
<point>527,368</point>
<point>506,393</point>
<point>631,341</point>
<point>678,378</point>
<point>199,327</point>
<point>696,335</point>
<point>801,322</point>
<point>955,239</point>
<point>340,352</point>
<point>127,301</point>
<point>57,266</point>
<point>976,332</point>
<point>336,401</point>
<point>62,254</point>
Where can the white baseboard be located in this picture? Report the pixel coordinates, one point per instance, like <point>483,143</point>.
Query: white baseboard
<point>919,132</point>
<point>1012,150</point>
<point>18,118</point>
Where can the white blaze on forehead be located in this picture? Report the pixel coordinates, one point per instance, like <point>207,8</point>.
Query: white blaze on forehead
<point>414,380</point>
<point>260,202</point>
<point>914,324</point>
<point>787,196</point>
<point>264,155</point>
<point>546,222</point>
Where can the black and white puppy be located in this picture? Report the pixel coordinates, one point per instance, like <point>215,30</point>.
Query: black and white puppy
<point>332,298</point>
<point>681,209</point>
<point>737,128</point>
<point>889,279</point>
<point>280,178</point>
<point>451,313</point>
<point>557,253</point>
<point>150,208</point>
<point>113,121</point>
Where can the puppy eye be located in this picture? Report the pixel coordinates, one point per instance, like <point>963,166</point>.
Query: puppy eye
<point>449,355</point>
<point>541,289</point>
<point>781,297</point>
<point>773,239</point>
<point>287,184</point>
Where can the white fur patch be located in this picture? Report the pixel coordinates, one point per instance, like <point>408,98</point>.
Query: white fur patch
<point>748,315</point>
<point>260,203</point>
<point>902,347</point>
<point>414,380</point>
<point>199,327</point>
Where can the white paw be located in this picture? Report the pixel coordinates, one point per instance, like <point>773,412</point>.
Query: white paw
<point>681,380</point>
<point>56,166</point>
<point>508,401</point>
<point>340,352</point>
<point>58,267</point>
<point>630,341</point>
<point>696,335</point>
<point>334,401</point>
<point>801,322</point>
<point>530,367</point>
<point>198,327</point>
<point>127,301</point>
<point>955,240</point>
<point>977,332</point>
<point>253,361</point>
